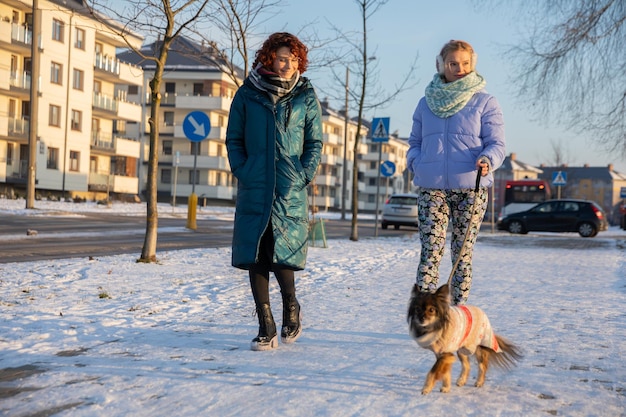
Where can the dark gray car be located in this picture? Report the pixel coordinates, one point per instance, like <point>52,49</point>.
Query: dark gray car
<point>565,215</point>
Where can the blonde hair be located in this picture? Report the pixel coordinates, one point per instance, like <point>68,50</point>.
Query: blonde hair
<point>455,45</point>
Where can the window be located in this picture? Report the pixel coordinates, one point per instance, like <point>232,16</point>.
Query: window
<point>93,164</point>
<point>56,73</point>
<point>78,79</point>
<point>77,120</point>
<point>166,176</point>
<point>168,118</point>
<point>198,88</point>
<point>53,158</point>
<point>74,160</point>
<point>97,86</point>
<point>54,116</point>
<point>9,153</point>
<point>170,88</point>
<point>193,177</point>
<point>58,27</point>
<point>167,147</point>
<point>133,90</point>
<point>79,42</point>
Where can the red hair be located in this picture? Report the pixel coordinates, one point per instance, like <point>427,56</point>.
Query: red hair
<point>266,55</point>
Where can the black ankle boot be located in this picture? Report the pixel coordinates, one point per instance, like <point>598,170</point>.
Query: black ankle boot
<point>266,339</point>
<point>292,328</point>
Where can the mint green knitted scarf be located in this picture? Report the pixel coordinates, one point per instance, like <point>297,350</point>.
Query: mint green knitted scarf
<point>447,99</point>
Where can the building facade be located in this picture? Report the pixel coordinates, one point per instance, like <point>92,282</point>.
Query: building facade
<point>600,184</point>
<point>82,147</point>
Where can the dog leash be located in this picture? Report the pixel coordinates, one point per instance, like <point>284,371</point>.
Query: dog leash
<point>469,227</point>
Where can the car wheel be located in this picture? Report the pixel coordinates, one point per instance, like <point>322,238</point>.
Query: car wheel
<point>383,226</point>
<point>396,226</point>
<point>516,227</point>
<point>587,230</point>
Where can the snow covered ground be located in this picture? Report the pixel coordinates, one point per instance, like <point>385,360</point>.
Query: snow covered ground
<point>112,337</point>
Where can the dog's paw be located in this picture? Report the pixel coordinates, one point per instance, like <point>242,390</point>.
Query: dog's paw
<point>461,382</point>
<point>479,384</point>
<point>426,391</point>
<point>445,389</point>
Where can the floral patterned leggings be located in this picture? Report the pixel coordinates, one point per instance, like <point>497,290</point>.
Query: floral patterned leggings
<point>435,209</point>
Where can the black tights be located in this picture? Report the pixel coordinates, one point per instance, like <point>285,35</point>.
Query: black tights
<point>260,272</point>
<point>259,282</point>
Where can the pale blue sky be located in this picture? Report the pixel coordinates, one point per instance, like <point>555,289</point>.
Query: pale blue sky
<point>400,29</point>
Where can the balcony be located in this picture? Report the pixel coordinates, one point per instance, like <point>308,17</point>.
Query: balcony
<point>112,69</point>
<point>105,143</point>
<point>332,160</point>
<point>16,84</point>
<point>108,106</point>
<point>15,37</point>
<point>327,180</point>
<point>195,102</point>
<point>219,163</point>
<point>15,171</point>
<point>220,192</point>
<point>113,183</point>
<point>16,128</point>
<point>332,139</point>
<point>215,133</point>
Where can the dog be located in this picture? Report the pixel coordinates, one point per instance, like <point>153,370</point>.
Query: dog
<point>444,329</point>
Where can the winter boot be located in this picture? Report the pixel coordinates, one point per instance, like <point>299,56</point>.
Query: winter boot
<point>292,328</point>
<point>266,339</point>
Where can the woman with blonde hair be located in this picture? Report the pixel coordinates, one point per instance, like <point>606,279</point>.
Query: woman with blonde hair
<point>457,134</point>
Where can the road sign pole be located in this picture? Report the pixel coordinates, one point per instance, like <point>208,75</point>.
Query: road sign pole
<point>196,127</point>
<point>380,154</point>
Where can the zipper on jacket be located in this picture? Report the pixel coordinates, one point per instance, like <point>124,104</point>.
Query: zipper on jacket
<point>446,157</point>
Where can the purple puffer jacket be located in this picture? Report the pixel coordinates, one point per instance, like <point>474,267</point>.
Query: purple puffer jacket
<point>443,152</point>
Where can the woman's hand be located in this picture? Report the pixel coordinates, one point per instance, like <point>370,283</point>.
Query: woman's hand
<point>482,165</point>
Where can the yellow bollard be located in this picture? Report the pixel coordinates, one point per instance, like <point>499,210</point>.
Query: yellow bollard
<point>191,211</point>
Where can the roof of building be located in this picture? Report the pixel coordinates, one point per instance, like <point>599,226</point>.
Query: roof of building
<point>512,164</point>
<point>605,173</point>
<point>184,55</point>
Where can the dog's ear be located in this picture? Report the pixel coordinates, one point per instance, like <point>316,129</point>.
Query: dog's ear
<point>415,290</point>
<point>443,293</point>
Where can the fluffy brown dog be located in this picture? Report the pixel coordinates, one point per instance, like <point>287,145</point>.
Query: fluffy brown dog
<point>446,329</point>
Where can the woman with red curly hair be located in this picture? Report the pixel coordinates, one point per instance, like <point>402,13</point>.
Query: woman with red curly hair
<point>274,143</point>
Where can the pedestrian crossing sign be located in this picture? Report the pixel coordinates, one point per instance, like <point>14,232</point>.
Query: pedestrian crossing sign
<point>380,129</point>
<point>559,178</point>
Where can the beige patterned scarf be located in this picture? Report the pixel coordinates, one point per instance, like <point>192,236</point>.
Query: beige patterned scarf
<point>447,99</point>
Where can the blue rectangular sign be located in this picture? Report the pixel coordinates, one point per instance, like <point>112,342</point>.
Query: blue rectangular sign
<point>380,129</point>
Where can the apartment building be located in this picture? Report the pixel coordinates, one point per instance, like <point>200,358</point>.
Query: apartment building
<point>194,80</point>
<point>374,183</point>
<point>82,146</point>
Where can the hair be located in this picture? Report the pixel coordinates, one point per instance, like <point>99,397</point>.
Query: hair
<point>266,55</point>
<point>451,46</point>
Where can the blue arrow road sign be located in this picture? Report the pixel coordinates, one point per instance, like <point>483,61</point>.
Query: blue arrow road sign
<point>387,169</point>
<point>380,132</point>
<point>196,126</point>
<point>559,178</point>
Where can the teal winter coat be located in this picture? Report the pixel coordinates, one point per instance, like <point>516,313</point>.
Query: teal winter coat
<point>274,150</point>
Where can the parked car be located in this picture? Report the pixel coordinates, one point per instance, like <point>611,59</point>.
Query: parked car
<point>400,210</point>
<point>565,215</point>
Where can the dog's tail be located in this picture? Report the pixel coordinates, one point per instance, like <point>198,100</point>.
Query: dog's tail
<point>508,356</point>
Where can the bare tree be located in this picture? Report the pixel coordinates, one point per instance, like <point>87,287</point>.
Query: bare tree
<point>560,155</point>
<point>165,20</point>
<point>237,24</point>
<point>570,67</point>
<point>359,59</point>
